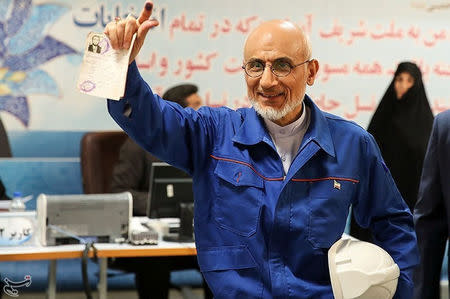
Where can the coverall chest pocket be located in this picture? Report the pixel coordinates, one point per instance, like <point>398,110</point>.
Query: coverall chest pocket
<point>328,211</point>
<point>239,193</point>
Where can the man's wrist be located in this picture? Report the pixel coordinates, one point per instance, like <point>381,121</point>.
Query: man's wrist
<point>133,77</point>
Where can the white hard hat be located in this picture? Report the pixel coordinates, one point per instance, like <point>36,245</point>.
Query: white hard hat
<point>361,270</point>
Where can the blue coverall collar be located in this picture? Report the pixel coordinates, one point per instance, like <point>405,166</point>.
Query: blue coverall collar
<point>253,130</point>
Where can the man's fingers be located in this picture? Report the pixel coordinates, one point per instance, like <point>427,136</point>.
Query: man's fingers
<point>130,29</point>
<point>110,31</point>
<point>120,28</point>
<point>121,33</point>
<point>146,12</point>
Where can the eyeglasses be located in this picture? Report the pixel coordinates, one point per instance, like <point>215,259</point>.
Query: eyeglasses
<point>280,67</point>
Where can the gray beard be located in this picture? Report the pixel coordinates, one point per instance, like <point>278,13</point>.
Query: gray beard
<point>273,114</point>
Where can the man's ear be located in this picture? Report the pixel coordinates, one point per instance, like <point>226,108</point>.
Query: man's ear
<point>313,68</point>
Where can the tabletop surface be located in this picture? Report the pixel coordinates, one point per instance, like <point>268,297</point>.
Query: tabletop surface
<point>16,253</point>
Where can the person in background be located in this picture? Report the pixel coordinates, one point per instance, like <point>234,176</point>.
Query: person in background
<point>5,152</point>
<point>132,173</point>
<point>5,149</point>
<point>401,126</point>
<point>432,210</point>
<point>3,195</point>
<point>272,183</point>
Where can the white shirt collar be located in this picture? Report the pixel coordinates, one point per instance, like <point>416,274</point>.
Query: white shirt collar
<point>291,129</point>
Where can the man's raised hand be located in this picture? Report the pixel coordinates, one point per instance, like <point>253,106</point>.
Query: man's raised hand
<point>120,32</point>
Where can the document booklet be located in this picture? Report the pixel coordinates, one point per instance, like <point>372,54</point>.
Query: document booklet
<point>104,70</point>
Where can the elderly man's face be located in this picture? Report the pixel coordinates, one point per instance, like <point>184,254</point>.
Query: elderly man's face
<point>279,98</point>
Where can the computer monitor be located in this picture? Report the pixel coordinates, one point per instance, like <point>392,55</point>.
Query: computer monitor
<point>168,188</point>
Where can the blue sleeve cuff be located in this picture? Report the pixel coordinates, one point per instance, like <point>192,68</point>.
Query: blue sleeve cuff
<point>133,78</point>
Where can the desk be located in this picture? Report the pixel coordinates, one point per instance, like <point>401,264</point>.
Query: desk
<point>104,251</point>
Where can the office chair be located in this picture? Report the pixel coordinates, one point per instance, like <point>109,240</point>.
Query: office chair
<point>99,153</point>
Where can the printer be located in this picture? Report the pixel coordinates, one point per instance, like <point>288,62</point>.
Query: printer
<point>102,218</point>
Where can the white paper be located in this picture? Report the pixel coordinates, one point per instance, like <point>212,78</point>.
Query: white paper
<point>104,70</point>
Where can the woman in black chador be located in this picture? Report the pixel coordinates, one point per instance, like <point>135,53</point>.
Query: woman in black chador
<point>401,126</point>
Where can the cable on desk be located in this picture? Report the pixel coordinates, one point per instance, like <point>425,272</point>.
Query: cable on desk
<point>84,267</point>
<point>84,259</point>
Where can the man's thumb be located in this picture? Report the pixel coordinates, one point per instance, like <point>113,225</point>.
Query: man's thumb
<point>144,28</point>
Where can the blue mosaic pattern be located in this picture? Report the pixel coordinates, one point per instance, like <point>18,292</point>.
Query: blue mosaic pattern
<point>24,47</point>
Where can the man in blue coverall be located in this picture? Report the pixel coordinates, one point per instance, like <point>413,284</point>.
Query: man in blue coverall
<point>273,183</point>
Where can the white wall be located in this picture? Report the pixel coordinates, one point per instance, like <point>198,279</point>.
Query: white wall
<point>357,42</point>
